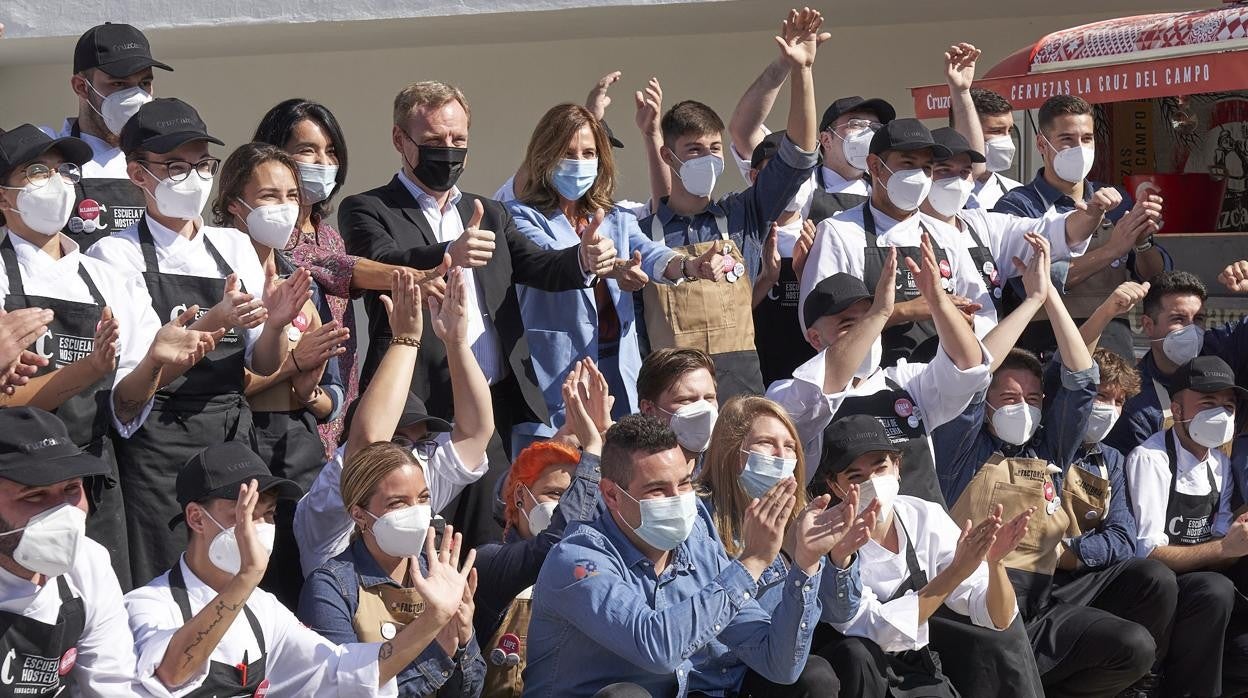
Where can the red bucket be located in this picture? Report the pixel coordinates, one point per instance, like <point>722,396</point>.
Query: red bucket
<point>1192,201</point>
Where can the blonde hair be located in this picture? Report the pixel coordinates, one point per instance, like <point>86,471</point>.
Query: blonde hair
<point>430,94</point>
<point>367,468</point>
<point>721,476</point>
<point>547,146</point>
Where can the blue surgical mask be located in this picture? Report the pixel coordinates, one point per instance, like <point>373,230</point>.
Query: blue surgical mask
<point>317,181</point>
<point>572,178</point>
<point>762,472</point>
<point>666,522</point>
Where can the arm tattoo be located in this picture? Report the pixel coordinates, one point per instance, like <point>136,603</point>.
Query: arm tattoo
<point>220,609</point>
<point>386,651</point>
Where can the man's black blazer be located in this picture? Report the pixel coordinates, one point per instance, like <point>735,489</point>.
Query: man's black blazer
<point>386,224</point>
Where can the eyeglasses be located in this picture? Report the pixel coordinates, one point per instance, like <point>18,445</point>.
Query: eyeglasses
<point>179,170</point>
<point>424,449</point>
<point>858,125</point>
<point>39,174</point>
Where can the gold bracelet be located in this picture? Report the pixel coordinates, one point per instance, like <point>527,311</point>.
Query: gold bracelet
<point>406,341</point>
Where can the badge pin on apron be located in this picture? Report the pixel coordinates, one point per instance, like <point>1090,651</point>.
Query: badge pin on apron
<point>1050,498</point>
<point>507,651</point>
<point>389,630</point>
<point>297,327</point>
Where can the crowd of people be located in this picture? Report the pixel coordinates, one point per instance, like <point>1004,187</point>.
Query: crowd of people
<point>874,423</point>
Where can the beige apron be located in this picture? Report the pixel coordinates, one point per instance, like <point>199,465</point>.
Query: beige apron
<point>1085,499</point>
<point>717,318</point>
<point>384,610</point>
<point>1084,299</point>
<point>506,653</point>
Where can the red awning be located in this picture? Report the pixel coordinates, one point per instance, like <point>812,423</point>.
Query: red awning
<point>1139,57</point>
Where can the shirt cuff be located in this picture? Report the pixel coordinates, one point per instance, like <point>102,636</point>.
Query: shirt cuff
<point>740,585</point>
<point>795,157</point>
<point>903,616</point>
<point>359,673</point>
<point>150,657</point>
<point>437,667</point>
<point>1078,380</point>
<point>661,276</point>
<point>127,429</point>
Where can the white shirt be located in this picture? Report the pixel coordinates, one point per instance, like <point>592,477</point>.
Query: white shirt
<point>323,526</point>
<point>447,226</point>
<point>178,255</point>
<point>125,294</point>
<point>987,192</point>
<point>507,193</point>
<point>107,161</point>
<point>1148,478</point>
<point>894,625</point>
<point>941,391</point>
<point>833,183</point>
<point>105,662</point>
<point>840,243</point>
<point>298,660</point>
<point>1003,234</point>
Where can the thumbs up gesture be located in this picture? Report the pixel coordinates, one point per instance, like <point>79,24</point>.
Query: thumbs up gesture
<point>597,251</point>
<point>475,247</point>
<point>629,274</point>
<point>710,265</point>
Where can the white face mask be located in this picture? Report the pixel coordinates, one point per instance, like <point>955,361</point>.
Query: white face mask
<point>117,108</point>
<point>541,513</point>
<point>402,532</point>
<point>907,188</point>
<point>950,194</point>
<point>666,522</point>
<point>1100,422</point>
<point>1073,164</point>
<point>50,540</point>
<point>881,487</point>
<point>856,146</point>
<point>1212,427</point>
<point>1015,424</point>
<point>316,182</point>
<point>223,550</point>
<point>46,209</point>
<point>699,175</point>
<point>272,225</point>
<point>1000,153</point>
<point>1184,344</point>
<point>182,200</point>
<point>693,424</point>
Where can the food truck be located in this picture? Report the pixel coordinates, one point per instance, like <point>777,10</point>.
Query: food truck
<point>1170,93</point>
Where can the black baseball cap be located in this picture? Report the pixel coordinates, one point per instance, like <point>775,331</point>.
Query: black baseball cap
<point>849,437</point>
<point>36,451</point>
<point>1205,374</point>
<point>217,472</point>
<point>26,143</point>
<point>162,125</point>
<point>833,295</point>
<point>906,135</point>
<point>956,143</point>
<point>883,111</point>
<point>117,49</point>
<point>767,148</point>
<point>615,142</point>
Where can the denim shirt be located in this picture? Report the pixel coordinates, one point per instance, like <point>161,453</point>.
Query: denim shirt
<point>328,604</point>
<point>601,615</point>
<point>962,446</point>
<point>749,213</point>
<point>512,566</point>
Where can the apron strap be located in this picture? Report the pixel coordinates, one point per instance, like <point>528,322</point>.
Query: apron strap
<point>868,225</point>
<point>917,578</point>
<point>62,589</point>
<point>979,242</point>
<point>657,234</point>
<point>177,587</point>
<point>14,273</point>
<point>148,246</point>
<point>1163,400</point>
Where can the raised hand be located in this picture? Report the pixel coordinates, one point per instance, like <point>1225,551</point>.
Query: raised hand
<point>21,371</point>
<point>800,37</point>
<point>973,546</point>
<point>771,257</point>
<point>597,251</point>
<point>600,401</point>
<point>176,344</point>
<point>1103,201</point>
<point>927,274</point>
<point>1035,273</point>
<point>317,347</point>
<point>103,355</point>
<point>628,273</point>
<point>450,317</point>
<point>762,532</point>
<point>1009,535</point>
<point>598,100</point>
<point>709,265</point>
<point>649,108</point>
<point>1235,277</point>
<point>253,556</point>
<point>801,250</point>
<point>575,399</point>
<point>836,532</point>
<point>442,587</point>
<point>18,330</point>
<point>239,309</point>
<point>433,281</point>
<point>285,298</point>
<point>475,247</point>
<point>886,286</point>
<point>1122,299</point>
<point>960,66</point>
<point>1143,220</point>
<point>403,307</point>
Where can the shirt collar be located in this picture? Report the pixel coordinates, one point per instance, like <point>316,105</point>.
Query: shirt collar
<point>884,222</point>
<point>1050,196</point>
<point>27,250</point>
<point>666,214</point>
<point>834,183</point>
<point>167,237</point>
<point>424,199</point>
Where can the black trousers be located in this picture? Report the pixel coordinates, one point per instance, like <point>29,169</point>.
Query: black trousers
<point>1198,656</point>
<point>816,681</point>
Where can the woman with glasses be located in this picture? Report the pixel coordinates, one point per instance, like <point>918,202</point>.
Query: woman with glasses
<point>102,338</point>
<point>212,274</point>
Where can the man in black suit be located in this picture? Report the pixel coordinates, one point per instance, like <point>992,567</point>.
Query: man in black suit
<point>419,217</point>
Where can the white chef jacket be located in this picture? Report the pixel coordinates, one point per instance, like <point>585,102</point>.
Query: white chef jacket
<point>941,391</point>
<point>322,524</point>
<point>1148,479</point>
<point>178,255</point>
<point>833,183</point>
<point>894,625</point>
<point>988,191</point>
<point>1003,234</point>
<point>840,242</point>
<point>125,294</point>
<point>107,161</point>
<point>105,660</point>
<point>298,660</point>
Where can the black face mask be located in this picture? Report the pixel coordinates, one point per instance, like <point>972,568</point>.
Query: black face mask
<point>439,167</point>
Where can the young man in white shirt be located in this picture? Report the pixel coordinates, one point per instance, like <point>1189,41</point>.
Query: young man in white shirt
<point>205,629</point>
<point>60,604</point>
<point>1180,484</point>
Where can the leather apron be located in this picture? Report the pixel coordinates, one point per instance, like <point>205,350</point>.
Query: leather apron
<point>102,206</point>
<point>1086,496</point>
<point>384,610</point>
<point>913,341</point>
<point>1189,517</point>
<point>202,407</point>
<point>36,658</point>
<point>87,415</point>
<point>243,680</point>
<point>506,657</point>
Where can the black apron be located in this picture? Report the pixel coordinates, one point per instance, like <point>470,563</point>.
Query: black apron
<point>87,415</point>
<point>913,341</point>
<point>902,420</point>
<point>1189,517</point>
<point>777,331</point>
<point>986,266</point>
<point>224,681</point>
<point>825,204</point>
<point>103,206</point>
<point>202,407</point>
<point>38,657</point>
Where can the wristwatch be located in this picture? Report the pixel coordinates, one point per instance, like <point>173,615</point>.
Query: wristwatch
<point>684,261</point>
<point>1145,246</point>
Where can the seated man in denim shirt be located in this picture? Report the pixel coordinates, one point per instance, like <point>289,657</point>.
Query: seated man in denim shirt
<point>645,597</point>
